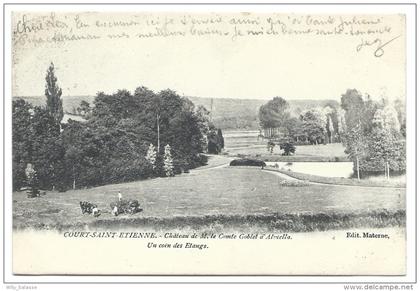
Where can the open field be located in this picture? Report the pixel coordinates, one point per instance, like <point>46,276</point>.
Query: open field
<point>247,144</point>
<point>214,161</point>
<point>246,196</point>
<point>304,153</point>
<point>242,139</point>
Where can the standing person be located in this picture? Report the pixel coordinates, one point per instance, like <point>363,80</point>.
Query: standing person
<point>119,196</point>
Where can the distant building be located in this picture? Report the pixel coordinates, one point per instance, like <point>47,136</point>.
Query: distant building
<point>74,117</point>
<point>275,133</point>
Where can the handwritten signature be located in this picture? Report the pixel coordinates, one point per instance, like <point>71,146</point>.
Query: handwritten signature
<point>379,52</point>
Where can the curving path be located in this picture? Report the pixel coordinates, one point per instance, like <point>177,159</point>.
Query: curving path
<point>214,162</point>
<point>218,162</point>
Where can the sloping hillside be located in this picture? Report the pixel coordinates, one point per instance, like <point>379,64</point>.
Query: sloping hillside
<point>229,113</point>
<point>70,103</point>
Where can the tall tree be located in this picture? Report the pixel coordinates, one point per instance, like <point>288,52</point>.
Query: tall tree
<point>22,135</point>
<point>274,113</point>
<point>55,109</point>
<point>151,156</point>
<point>46,152</point>
<point>53,93</point>
<point>386,147</point>
<point>356,144</point>
<point>204,123</point>
<point>341,124</point>
<point>330,129</point>
<point>314,124</point>
<point>295,129</point>
<point>215,141</point>
<point>357,124</point>
<point>221,138</point>
<point>391,120</point>
<point>168,162</point>
<point>399,106</point>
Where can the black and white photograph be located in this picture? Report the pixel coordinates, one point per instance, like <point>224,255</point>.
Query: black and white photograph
<point>208,142</point>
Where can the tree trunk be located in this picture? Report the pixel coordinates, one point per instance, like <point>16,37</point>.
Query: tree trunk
<point>357,168</point>
<point>387,169</point>
<point>74,179</point>
<point>53,178</point>
<point>158,133</point>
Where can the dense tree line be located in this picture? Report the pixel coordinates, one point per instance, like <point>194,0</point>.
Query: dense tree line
<point>311,126</point>
<point>248,122</point>
<point>112,144</point>
<point>37,138</point>
<point>373,132</point>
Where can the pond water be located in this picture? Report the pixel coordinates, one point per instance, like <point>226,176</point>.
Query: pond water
<point>324,169</point>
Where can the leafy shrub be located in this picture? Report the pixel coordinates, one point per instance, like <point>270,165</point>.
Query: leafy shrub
<point>288,148</point>
<point>293,183</point>
<point>248,162</point>
<point>216,141</point>
<point>200,160</point>
<point>270,146</point>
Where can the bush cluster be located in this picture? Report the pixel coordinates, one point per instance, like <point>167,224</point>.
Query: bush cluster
<point>248,162</point>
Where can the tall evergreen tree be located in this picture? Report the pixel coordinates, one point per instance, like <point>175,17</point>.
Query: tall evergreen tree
<point>151,156</point>
<point>168,164</point>
<point>330,129</point>
<point>55,109</point>
<point>341,124</point>
<point>53,93</point>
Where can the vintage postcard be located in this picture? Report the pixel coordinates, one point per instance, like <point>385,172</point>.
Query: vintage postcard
<point>208,143</point>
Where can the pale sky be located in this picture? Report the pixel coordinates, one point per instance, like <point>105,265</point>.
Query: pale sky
<point>294,67</point>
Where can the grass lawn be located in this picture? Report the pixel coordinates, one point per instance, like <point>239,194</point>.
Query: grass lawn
<point>398,182</point>
<point>304,153</point>
<point>214,161</point>
<point>247,144</point>
<point>218,192</point>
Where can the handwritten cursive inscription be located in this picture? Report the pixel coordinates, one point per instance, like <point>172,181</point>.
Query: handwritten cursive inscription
<point>379,51</point>
<point>37,29</point>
